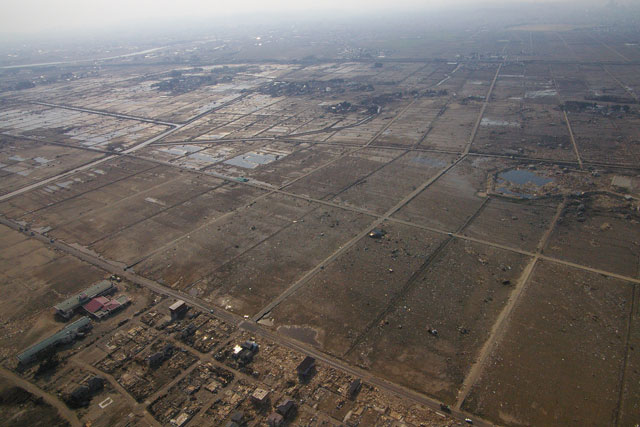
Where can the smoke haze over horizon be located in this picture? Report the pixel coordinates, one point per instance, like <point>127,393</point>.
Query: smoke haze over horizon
<point>39,16</point>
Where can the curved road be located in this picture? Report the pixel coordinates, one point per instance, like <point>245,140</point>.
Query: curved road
<point>63,410</point>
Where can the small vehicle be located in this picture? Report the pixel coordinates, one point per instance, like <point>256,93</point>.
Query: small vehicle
<point>445,408</point>
<point>468,420</point>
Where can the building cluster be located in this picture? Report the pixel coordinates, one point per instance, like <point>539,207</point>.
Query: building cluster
<point>237,380</point>
<point>91,301</point>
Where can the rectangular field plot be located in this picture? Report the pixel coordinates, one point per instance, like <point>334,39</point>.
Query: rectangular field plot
<point>76,127</point>
<point>25,162</point>
<point>182,262</point>
<point>95,215</point>
<point>108,173</point>
<point>515,224</point>
<point>564,347</point>
<point>383,189</point>
<point>452,128</point>
<point>606,138</point>
<point>410,127</point>
<point>297,164</point>
<point>249,281</point>
<point>342,174</point>
<point>630,398</point>
<point>138,240</point>
<point>525,129</point>
<point>350,293</point>
<point>600,232</point>
<point>459,295</point>
<point>450,201</point>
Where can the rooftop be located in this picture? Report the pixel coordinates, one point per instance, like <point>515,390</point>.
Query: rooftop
<point>91,292</point>
<point>65,333</point>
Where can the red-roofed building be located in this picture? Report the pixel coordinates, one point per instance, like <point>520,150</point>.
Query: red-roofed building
<point>95,304</point>
<point>100,307</point>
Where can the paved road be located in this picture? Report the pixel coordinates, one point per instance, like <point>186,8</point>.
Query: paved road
<point>105,113</point>
<point>242,323</point>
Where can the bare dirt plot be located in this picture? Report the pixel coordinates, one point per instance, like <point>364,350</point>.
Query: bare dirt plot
<point>345,297</point>
<point>600,232</point>
<point>76,127</point>
<point>525,129</point>
<point>251,159</point>
<point>24,162</point>
<point>364,133</point>
<point>296,164</point>
<point>249,282</point>
<point>135,242</point>
<point>589,83</point>
<point>510,82</point>
<point>19,407</point>
<point>509,86</point>
<point>84,204</point>
<point>478,82</point>
<point>94,227</point>
<point>452,128</point>
<point>135,199</point>
<point>410,128</point>
<point>607,138</point>
<point>202,128</point>
<point>36,277</point>
<point>73,185</point>
<point>343,173</point>
<point>630,394</point>
<point>449,202</point>
<point>586,48</point>
<point>561,358</point>
<point>196,254</point>
<point>627,75</point>
<point>459,295</point>
<point>386,187</point>
<point>199,156</point>
<point>519,224</point>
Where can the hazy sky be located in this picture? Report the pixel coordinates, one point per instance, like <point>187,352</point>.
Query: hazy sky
<point>28,16</point>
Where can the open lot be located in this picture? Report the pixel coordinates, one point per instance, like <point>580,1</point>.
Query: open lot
<point>601,232</point>
<point>449,216</point>
<point>575,323</point>
<point>353,290</point>
<point>459,294</point>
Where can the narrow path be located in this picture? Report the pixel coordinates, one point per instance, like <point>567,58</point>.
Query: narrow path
<point>573,139</point>
<point>487,99</point>
<point>625,363</point>
<point>501,324</point>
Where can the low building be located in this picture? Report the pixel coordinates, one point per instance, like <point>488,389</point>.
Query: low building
<point>305,368</point>
<point>260,396</point>
<point>286,407</point>
<point>67,308</point>
<point>275,420</point>
<point>101,306</point>
<point>66,335</point>
<point>178,309</point>
<point>354,388</point>
<point>180,420</point>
